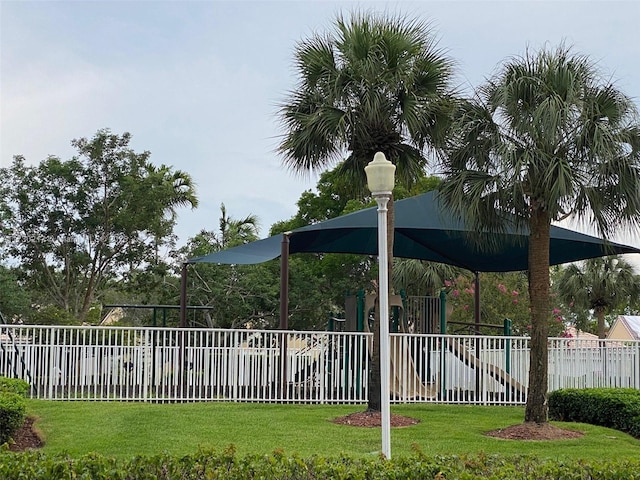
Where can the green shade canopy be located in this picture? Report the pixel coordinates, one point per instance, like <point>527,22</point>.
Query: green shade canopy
<point>424,230</point>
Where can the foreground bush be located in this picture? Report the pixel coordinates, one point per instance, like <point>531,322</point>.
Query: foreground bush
<point>14,385</point>
<point>12,406</point>
<point>617,408</point>
<point>229,466</point>
<point>12,415</point>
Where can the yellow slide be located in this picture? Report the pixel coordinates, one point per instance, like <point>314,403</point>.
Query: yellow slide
<point>404,381</point>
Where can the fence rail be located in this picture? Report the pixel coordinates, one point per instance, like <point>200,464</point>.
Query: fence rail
<point>168,365</point>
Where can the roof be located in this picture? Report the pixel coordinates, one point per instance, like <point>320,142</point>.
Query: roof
<point>426,230</point>
<point>585,339</point>
<point>632,324</point>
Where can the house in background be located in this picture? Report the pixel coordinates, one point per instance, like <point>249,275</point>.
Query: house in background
<point>586,339</point>
<point>626,327</point>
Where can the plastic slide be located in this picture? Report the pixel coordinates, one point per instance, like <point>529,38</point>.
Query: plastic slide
<point>474,362</point>
<point>404,382</point>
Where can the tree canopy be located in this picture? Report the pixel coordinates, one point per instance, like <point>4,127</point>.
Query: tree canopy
<point>75,224</point>
<point>604,286</point>
<point>544,139</point>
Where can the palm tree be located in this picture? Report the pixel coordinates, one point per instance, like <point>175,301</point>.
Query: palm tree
<point>234,232</point>
<point>173,189</point>
<point>376,83</point>
<point>603,285</point>
<point>181,189</point>
<point>544,139</point>
<point>422,278</point>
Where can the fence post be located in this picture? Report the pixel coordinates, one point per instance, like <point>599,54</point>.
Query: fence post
<point>360,311</point>
<point>507,333</point>
<point>443,352</point>
<point>443,312</point>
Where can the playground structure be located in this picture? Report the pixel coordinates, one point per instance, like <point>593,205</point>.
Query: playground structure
<point>318,367</point>
<point>405,382</point>
<point>427,315</point>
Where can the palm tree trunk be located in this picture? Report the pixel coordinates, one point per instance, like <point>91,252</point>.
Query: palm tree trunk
<point>537,409</point>
<point>600,315</point>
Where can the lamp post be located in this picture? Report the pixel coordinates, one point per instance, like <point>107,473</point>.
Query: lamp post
<point>380,180</point>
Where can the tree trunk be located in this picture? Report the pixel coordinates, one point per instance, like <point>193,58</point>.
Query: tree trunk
<point>375,397</point>
<point>88,298</point>
<point>601,329</point>
<point>537,409</point>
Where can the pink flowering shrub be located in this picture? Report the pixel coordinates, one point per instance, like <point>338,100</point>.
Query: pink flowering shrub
<point>502,295</point>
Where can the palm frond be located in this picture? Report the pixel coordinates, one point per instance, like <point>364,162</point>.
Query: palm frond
<point>374,83</point>
<point>547,132</point>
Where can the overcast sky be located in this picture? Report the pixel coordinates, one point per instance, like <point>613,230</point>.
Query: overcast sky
<point>197,83</point>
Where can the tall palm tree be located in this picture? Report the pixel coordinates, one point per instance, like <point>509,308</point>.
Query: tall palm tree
<point>375,83</point>
<point>603,285</point>
<point>234,232</point>
<point>172,189</point>
<point>546,138</point>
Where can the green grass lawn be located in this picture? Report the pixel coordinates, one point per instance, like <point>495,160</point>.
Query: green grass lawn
<point>127,429</point>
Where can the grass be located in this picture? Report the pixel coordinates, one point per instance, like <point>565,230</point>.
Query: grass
<point>127,429</point>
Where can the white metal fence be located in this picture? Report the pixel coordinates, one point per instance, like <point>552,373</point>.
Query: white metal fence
<point>166,365</point>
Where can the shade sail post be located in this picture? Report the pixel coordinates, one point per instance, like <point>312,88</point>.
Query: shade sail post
<point>284,281</point>
<point>476,307</point>
<point>284,311</point>
<point>183,296</point>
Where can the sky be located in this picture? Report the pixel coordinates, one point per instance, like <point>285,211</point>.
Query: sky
<point>198,83</point>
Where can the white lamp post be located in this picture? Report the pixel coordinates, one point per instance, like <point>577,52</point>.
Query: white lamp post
<point>380,180</point>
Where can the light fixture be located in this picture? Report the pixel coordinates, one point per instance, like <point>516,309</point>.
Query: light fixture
<point>380,180</point>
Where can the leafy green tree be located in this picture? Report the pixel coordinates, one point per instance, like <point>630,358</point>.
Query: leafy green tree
<point>14,298</point>
<point>376,83</point>
<point>334,197</point>
<point>544,139</point>
<point>237,294</point>
<point>607,285</point>
<point>76,224</point>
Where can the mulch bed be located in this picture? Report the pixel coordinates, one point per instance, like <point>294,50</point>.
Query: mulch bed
<point>534,431</point>
<point>26,438</point>
<point>373,419</point>
<point>524,431</point>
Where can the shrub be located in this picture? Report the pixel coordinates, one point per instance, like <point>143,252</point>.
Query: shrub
<point>12,414</point>
<point>227,465</point>
<point>617,408</point>
<point>14,385</point>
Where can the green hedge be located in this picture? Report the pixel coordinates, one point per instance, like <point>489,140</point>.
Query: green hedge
<point>229,466</point>
<point>14,385</point>
<point>617,408</point>
<point>12,406</point>
<point>12,415</point>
